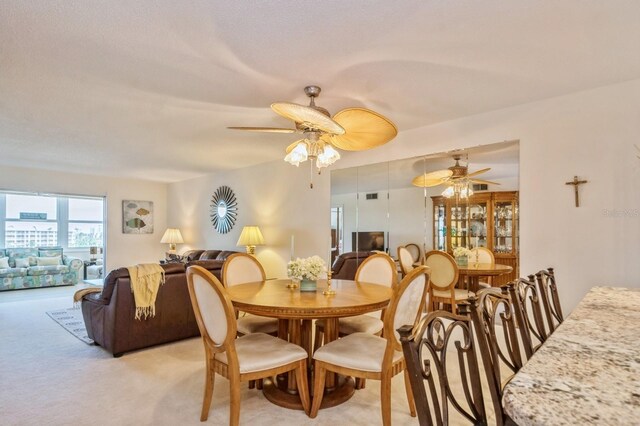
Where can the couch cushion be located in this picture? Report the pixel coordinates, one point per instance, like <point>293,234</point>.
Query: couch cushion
<point>24,262</point>
<point>48,270</point>
<point>224,254</point>
<point>4,263</point>
<point>49,261</point>
<point>13,272</point>
<point>49,251</point>
<point>21,253</point>
<point>209,254</point>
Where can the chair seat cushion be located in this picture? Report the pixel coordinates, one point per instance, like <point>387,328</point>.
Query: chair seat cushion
<point>359,351</point>
<point>259,351</point>
<point>360,324</point>
<point>460,294</point>
<point>256,324</point>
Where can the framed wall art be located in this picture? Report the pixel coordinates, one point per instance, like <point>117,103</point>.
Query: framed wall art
<point>137,217</point>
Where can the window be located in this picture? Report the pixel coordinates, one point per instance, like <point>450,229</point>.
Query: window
<point>85,222</point>
<point>32,220</point>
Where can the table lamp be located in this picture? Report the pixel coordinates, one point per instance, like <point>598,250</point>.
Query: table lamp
<point>172,236</point>
<point>250,237</point>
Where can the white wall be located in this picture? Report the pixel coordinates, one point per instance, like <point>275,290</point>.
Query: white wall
<point>122,249</point>
<point>590,134</point>
<point>275,196</point>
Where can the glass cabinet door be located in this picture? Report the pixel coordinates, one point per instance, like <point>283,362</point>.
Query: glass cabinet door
<point>459,229</point>
<point>439,227</point>
<point>504,217</point>
<point>478,225</point>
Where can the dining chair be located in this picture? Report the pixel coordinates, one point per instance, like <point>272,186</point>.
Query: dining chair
<point>430,350</point>
<point>368,356</point>
<point>527,305</point>
<point>405,259</point>
<point>415,251</point>
<point>247,358</point>
<point>242,268</point>
<point>444,277</point>
<point>379,269</point>
<point>550,301</point>
<point>484,255</point>
<point>500,339</point>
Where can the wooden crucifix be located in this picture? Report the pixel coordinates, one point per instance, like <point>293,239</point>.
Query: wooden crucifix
<point>575,182</point>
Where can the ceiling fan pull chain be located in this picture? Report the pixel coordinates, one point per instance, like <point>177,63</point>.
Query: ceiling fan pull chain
<point>311,173</point>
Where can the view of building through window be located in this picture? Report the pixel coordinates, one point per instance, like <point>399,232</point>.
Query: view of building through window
<point>28,220</point>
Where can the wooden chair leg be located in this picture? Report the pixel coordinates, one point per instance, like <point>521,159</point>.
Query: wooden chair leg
<point>234,409</point>
<point>317,340</point>
<point>407,388</point>
<point>252,384</point>
<point>303,386</point>
<point>259,384</point>
<point>385,398</point>
<point>210,377</point>
<point>360,383</point>
<point>318,389</point>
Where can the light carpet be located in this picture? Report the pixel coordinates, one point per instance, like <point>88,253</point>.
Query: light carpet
<point>50,378</point>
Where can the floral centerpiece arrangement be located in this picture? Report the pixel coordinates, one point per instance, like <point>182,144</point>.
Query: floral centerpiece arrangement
<point>307,271</point>
<point>462,255</point>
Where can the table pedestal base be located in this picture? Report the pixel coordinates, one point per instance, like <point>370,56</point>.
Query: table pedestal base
<point>278,394</point>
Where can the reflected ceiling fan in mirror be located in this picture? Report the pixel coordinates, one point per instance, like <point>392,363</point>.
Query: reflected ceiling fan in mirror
<point>352,129</point>
<point>457,178</point>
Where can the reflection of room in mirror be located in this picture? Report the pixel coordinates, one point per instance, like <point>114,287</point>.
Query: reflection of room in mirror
<point>407,214</point>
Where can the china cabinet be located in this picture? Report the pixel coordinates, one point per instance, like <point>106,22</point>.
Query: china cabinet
<point>486,219</point>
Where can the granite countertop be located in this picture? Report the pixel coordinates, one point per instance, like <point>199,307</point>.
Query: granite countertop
<point>588,371</point>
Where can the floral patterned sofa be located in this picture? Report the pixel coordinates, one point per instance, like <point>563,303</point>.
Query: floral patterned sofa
<point>37,267</point>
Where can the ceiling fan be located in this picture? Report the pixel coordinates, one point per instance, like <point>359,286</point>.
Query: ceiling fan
<point>456,177</point>
<point>352,129</point>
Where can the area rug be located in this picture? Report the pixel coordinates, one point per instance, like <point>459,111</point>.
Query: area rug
<point>71,320</point>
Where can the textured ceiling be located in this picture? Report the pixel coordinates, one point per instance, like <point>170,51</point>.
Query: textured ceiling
<point>146,88</point>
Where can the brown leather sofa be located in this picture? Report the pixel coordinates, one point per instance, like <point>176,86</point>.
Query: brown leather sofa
<point>109,315</point>
<point>346,265</point>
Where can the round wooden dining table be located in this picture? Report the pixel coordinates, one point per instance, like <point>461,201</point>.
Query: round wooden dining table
<point>295,311</point>
<point>473,271</point>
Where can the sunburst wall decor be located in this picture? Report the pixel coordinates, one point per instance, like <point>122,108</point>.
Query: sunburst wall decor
<point>224,209</point>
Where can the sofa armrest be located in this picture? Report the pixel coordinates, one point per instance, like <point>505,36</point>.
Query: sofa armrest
<point>73,263</point>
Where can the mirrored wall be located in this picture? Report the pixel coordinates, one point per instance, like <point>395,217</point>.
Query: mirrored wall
<point>376,206</point>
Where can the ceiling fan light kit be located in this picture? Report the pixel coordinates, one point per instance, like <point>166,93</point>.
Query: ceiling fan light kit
<point>352,129</point>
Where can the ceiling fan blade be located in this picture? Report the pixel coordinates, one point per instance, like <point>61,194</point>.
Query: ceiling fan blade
<point>421,182</point>
<point>307,117</point>
<point>488,182</point>
<point>264,129</point>
<point>365,129</point>
<point>479,172</point>
<point>293,145</point>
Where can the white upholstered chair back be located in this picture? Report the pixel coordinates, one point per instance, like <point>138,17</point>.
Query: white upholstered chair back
<point>377,269</point>
<point>406,260</point>
<point>240,268</point>
<point>415,251</point>
<point>211,306</point>
<point>405,307</point>
<point>444,271</point>
<point>484,255</point>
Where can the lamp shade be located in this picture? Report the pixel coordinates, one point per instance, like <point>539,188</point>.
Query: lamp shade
<point>250,236</point>
<point>172,236</point>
